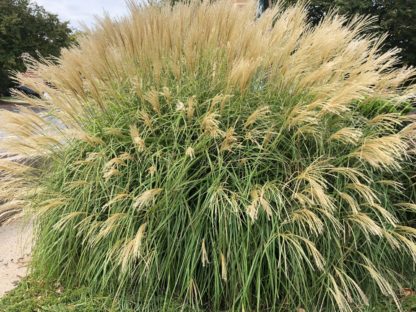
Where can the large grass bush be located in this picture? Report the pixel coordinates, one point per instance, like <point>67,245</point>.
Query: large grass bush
<point>197,157</point>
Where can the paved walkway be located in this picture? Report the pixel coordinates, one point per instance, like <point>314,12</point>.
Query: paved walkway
<point>15,240</point>
<point>15,247</point>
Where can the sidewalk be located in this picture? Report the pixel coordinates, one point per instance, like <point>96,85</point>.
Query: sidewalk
<point>15,247</point>
<point>15,237</point>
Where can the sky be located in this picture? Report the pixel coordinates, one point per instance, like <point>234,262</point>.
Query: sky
<point>83,11</point>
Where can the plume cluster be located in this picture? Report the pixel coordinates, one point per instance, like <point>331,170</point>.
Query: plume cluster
<point>194,155</point>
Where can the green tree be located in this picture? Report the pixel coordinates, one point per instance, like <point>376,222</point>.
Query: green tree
<point>27,28</point>
<point>397,17</point>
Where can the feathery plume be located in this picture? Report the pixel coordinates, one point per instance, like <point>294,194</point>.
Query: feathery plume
<point>152,97</point>
<point>223,267</point>
<point>137,140</point>
<point>384,152</point>
<point>167,94</point>
<point>107,227</point>
<point>146,198</point>
<point>145,117</point>
<point>114,132</point>
<point>180,106</point>
<point>138,240</point>
<point>347,136</point>
<point>111,172</point>
<point>152,170</point>
<point>259,113</point>
<point>190,107</point>
<point>204,255</point>
<point>229,140</point>
<point>242,72</point>
<point>119,197</point>
<point>190,152</point>
<point>367,224</point>
<point>308,219</point>
<point>211,125</point>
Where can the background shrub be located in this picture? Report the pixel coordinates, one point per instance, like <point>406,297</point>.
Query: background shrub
<point>198,156</point>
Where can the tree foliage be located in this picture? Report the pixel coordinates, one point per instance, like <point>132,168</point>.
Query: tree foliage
<point>27,28</point>
<point>395,17</point>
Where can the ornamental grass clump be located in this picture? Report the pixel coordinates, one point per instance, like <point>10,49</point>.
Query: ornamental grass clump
<point>197,158</point>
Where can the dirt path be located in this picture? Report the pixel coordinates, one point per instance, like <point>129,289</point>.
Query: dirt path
<point>15,247</point>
